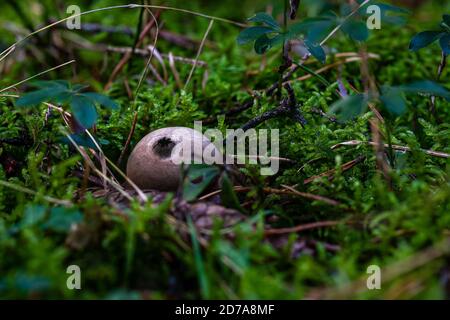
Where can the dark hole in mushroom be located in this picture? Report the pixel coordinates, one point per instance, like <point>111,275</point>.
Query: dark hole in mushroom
<point>163,147</point>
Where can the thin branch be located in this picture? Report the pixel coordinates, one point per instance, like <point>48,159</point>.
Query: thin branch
<point>36,75</point>
<point>395,147</point>
<point>144,73</point>
<point>302,227</point>
<point>130,135</point>
<point>34,193</point>
<point>11,48</point>
<point>211,22</point>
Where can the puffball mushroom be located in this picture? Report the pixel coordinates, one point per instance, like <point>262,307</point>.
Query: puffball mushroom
<point>155,162</point>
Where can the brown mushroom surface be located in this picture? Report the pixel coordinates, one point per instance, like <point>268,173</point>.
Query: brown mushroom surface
<point>155,162</point>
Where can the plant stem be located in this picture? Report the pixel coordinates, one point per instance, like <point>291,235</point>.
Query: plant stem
<point>441,68</point>
<point>136,38</point>
<point>284,58</point>
<point>389,141</point>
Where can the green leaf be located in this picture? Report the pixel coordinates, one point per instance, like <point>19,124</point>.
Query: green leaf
<point>315,29</point>
<point>426,87</point>
<point>101,100</point>
<point>262,44</point>
<point>84,111</point>
<point>199,265</point>
<point>349,107</point>
<point>444,42</point>
<point>356,30</point>
<point>34,98</point>
<point>267,19</point>
<point>316,50</point>
<point>394,100</point>
<point>252,33</point>
<point>37,97</point>
<point>228,196</point>
<point>389,7</point>
<point>61,219</point>
<point>424,39</point>
<point>198,178</point>
<point>32,215</point>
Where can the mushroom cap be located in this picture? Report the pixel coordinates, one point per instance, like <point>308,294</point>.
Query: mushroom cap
<point>155,162</point>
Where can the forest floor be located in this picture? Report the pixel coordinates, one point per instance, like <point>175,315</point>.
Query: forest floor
<point>355,190</point>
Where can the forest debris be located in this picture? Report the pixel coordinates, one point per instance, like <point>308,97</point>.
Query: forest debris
<point>130,135</point>
<point>311,196</point>
<point>330,173</point>
<point>145,52</point>
<point>175,73</point>
<point>395,147</point>
<point>184,41</point>
<point>287,107</point>
<point>200,49</point>
<point>331,66</point>
<point>378,148</point>
<point>128,55</point>
<point>286,191</point>
<point>204,214</point>
<point>302,227</point>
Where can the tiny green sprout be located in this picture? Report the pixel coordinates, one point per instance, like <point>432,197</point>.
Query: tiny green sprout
<point>82,104</point>
<point>426,38</point>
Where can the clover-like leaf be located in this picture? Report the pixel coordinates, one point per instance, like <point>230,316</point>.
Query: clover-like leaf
<point>316,50</point>
<point>424,39</point>
<point>444,42</point>
<point>393,99</point>
<point>252,33</point>
<point>101,100</point>
<point>61,219</point>
<point>426,87</point>
<point>264,43</point>
<point>198,178</point>
<point>349,107</point>
<point>267,19</point>
<point>35,98</point>
<point>356,30</point>
<point>315,29</point>
<point>84,111</point>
